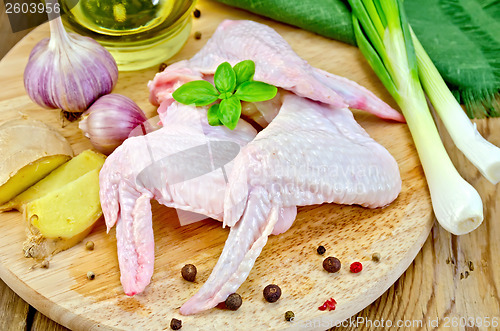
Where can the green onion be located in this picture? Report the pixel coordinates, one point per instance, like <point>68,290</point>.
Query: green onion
<point>481,153</point>
<point>384,37</point>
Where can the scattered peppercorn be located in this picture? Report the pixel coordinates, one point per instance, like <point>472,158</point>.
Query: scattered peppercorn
<point>272,293</point>
<point>188,272</point>
<point>321,250</point>
<point>331,264</point>
<point>197,13</point>
<point>233,301</point>
<point>175,324</point>
<point>289,316</point>
<point>90,245</point>
<point>471,266</point>
<point>45,264</point>
<point>162,66</point>
<point>356,267</point>
<point>90,275</point>
<point>197,35</point>
<point>376,257</point>
<point>329,304</point>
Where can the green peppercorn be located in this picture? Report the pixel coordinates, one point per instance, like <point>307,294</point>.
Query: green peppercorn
<point>331,264</point>
<point>188,272</point>
<point>233,301</point>
<point>175,324</point>
<point>90,245</point>
<point>272,293</point>
<point>376,257</point>
<point>197,35</point>
<point>289,316</point>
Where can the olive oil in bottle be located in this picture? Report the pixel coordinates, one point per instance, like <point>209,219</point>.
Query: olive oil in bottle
<point>138,33</point>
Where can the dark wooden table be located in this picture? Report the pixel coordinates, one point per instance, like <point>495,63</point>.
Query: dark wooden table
<point>438,288</point>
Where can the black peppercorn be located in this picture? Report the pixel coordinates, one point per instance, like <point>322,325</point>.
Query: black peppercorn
<point>162,66</point>
<point>272,293</point>
<point>289,316</point>
<point>197,13</point>
<point>197,35</point>
<point>175,324</point>
<point>188,272</point>
<point>331,264</point>
<point>321,250</point>
<point>233,301</point>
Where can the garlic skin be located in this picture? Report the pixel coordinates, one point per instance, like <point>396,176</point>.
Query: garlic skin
<point>68,71</point>
<point>110,120</point>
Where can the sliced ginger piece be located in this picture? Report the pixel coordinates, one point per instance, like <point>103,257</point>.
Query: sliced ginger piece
<point>79,165</point>
<point>30,174</point>
<point>62,218</point>
<point>30,150</point>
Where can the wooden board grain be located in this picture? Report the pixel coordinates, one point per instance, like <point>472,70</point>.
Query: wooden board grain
<point>350,233</point>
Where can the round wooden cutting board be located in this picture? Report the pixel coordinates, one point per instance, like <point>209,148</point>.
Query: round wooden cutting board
<point>351,233</point>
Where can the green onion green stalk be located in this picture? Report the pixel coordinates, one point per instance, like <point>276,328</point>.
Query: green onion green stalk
<point>384,37</point>
<point>484,155</point>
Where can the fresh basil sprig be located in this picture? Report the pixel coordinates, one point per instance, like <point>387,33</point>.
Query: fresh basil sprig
<point>232,85</point>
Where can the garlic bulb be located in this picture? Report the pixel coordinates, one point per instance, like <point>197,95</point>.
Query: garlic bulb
<point>110,120</point>
<point>68,71</point>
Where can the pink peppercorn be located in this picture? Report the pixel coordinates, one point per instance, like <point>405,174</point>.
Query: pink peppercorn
<point>356,267</point>
<point>329,304</point>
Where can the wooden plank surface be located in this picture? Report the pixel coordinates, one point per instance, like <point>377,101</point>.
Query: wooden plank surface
<point>13,310</point>
<point>431,288</point>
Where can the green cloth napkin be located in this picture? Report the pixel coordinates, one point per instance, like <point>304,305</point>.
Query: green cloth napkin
<point>462,37</point>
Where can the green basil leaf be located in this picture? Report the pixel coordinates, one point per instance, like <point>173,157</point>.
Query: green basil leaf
<point>229,112</point>
<point>225,78</point>
<point>244,71</point>
<point>255,91</point>
<point>225,95</point>
<point>199,92</point>
<point>212,115</point>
